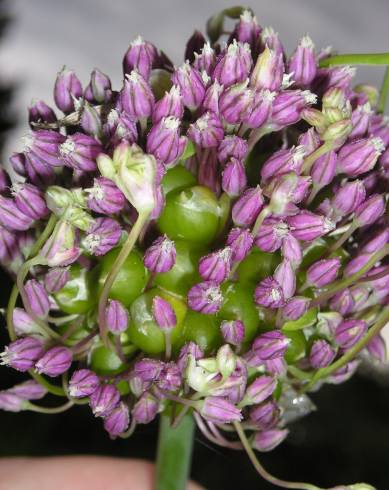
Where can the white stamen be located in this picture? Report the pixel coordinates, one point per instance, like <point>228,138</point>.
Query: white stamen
<point>275,294</point>
<point>247,16</point>
<point>269,32</point>
<point>16,188</point>
<point>268,95</point>
<point>214,295</point>
<point>91,242</point>
<point>306,42</point>
<point>225,254</point>
<point>298,154</point>
<point>113,116</point>
<point>349,70</point>
<point>167,245</point>
<point>138,41</point>
<point>206,78</point>
<point>207,49</point>
<point>133,77</point>
<point>67,147</point>
<point>281,230</point>
<point>328,225</point>
<point>27,141</point>
<point>366,108</point>
<point>287,80</point>
<point>378,144</point>
<point>96,192</point>
<point>171,123</point>
<point>309,97</point>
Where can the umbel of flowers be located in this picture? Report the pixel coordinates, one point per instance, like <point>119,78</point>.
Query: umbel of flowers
<point>208,240</point>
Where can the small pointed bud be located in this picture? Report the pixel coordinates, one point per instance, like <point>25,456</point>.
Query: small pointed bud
<point>232,146</point>
<point>232,331</point>
<point>342,302</point>
<point>240,241</point>
<point>67,89</point>
<point>22,353</point>
<point>11,217</point>
<point>226,361</point>
<point>161,255</point>
<point>24,325</point>
<point>36,169</point>
<point>310,140</point>
<point>360,119</point>
<point>324,169</point>
<point>80,151</point>
<point>289,105</point>
<point>233,65</point>
<point>205,297</point>
<point>164,314</point>
<point>148,369</point>
<point>12,402</point>
<point>141,55</point>
<point>118,420</point>
<point>321,354</point>
<point>295,308</point>
<point>29,390</point>
<point>360,295</point>
<point>170,378</point>
<point>283,161</point>
<point>189,349</point>
<point>119,127</point>
<point>218,410</point>
<point>145,409</point>
<point>40,112</point>
<point>349,332</point>
<point>83,383</point>
<point>44,145</point>
<point>348,197</point>
<point>55,361</point>
<point>171,104</point>
<point>216,266</point>
<point>247,207</point>
<point>260,110</point>
<point>235,103</point>
<point>99,90</point>
<point>90,121</point>
<point>136,96</point>
<point>205,59</point>
<point>270,345</point>
<point>191,85</point>
<point>8,244</point>
<point>164,140</point>
<point>302,63</point>
<point>370,210</point>
<point>344,374</point>
<point>105,197</point>
<point>212,96</point>
<point>260,389</point>
<point>116,317</point>
<point>267,440</point>
<point>308,226</point>
<point>271,234</point>
<point>355,264</point>
<point>266,415</point>
<point>56,279</point>
<point>323,272</point>
<point>207,131</point>
<point>268,70</point>
<point>377,348</point>
<point>37,298</point>
<point>103,400</point>
<point>60,249</point>
<point>18,163</point>
<point>379,127</point>
<point>269,294</point>
<point>102,236</point>
<point>234,178</point>
<point>29,200</point>
<point>360,156</point>
<point>377,242</point>
<point>248,31</point>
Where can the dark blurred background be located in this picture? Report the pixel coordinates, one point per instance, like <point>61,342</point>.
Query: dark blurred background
<point>347,439</point>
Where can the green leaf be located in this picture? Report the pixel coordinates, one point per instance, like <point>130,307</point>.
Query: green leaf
<point>305,321</point>
<point>190,150</point>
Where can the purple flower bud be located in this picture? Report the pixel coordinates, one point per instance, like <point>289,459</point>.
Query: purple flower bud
<point>349,332</point>
<point>37,298</point>
<point>360,295</point>
<point>189,349</point>
<point>218,410</point>
<point>233,65</point>
<point>310,140</point>
<point>83,383</point>
<point>148,369</point>
<point>207,131</point>
<point>44,145</point>
<point>360,119</point>
<point>234,178</point>
<point>355,264</point>
<point>377,348</point>
<point>247,207</point>
<point>164,314</point>
<point>379,127</point>
<point>232,146</point>
<point>164,140</point>
<point>8,244</point>
<point>29,390</point>
<point>29,200</point>
<point>116,317</point>
<point>324,169</point>
<point>37,171</point>
<point>343,374</point>
<point>40,112</point>
<point>236,102</point>
<point>136,96</point>
<point>260,389</point>
<point>191,85</point>
<point>232,331</point>
<point>104,197</point>
<point>288,106</point>
<point>291,250</point>
<point>55,361</point>
<point>240,242</point>
<point>271,234</point>
<point>376,243</point>
<point>270,345</point>
<point>102,236</point>
<point>267,440</point>
<point>248,31</point>
<point>80,151</point>
<point>161,255</point>
<point>22,353</point>
<point>118,420</point>
<point>120,127</point>
<point>302,63</point>
<point>171,104</point>
<point>60,249</point>
<point>99,90</point>
<point>266,415</point>
<point>283,161</point>
<point>12,217</point>
<point>295,308</point>
<point>90,121</point>
<point>205,297</point>
<point>269,294</point>
<point>308,226</point>
<point>271,39</point>
<point>103,400</point>
<point>24,324</point>
<point>170,378</point>
<point>140,56</point>
<point>145,409</point>
<point>260,109</point>
<point>321,354</point>
<point>56,279</point>
<point>360,156</point>
<point>348,197</point>
<point>67,89</point>
<point>285,276</point>
<point>212,96</point>
<point>323,272</point>
<point>208,168</point>
<point>370,210</point>
<point>342,302</point>
<point>268,70</point>
<point>11,402</point>
<point>204,58</point>
<point>216,266</point>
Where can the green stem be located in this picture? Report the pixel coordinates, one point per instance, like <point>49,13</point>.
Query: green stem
<point>311,159</point>
<point>383,320</point>
<point>174,453</point>
<point>53,389</point>
<point>261,470</point>
<point>356,59</point>
<point>118,264</point>
<point>49,410</point>
<point>381,105</point>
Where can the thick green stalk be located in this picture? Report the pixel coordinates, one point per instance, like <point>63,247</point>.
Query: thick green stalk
<point>174,453</point>
<point>384,92</point>
<point>356,59</point>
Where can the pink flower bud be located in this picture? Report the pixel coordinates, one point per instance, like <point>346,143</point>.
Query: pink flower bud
<point>136,96</point>
<point>247,208</point>
<point>348,197</point>
<point>116,317</point>
<point>191,85</point>
<point>308,226</point>
<point>102,236</point>
<point>140,56</point>
<point>37,298</point>
<point>67,89</point>
<point>232,331</point>
<point>349,332</point>
<point>218,410</point>
<point>22,353</point>
<point>323,272</point>
<point>145,409</point>
<point>164,314</point>
<point>171,104</point>
<point>302,63</point>
<point>267,440</point>
<point>161,255</point>
<point>207,131</point>
<point>370,210</point>
<point>270,345</point>
<point>234,178</point>
<point>232,146</point>
<point>205,297</point>
<point>55,361</point>
<point>360,156</point>
<point>104,400</point>
<point>116,422</point>
<point>233,65</point>
<point>83,383</point>
<point>269,294</point>
<point>321,354</point>
<point>240,242</point>
<point>164,140</point>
